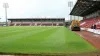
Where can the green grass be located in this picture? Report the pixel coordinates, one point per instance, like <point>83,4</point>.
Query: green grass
<point>42,40</point>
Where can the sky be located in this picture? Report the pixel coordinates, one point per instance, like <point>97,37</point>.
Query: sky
<point>35,8</point>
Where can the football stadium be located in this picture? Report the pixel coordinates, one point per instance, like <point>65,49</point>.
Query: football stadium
<point>51,36</point>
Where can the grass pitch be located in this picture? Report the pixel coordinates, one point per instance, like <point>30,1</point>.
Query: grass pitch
<point>30,40</point>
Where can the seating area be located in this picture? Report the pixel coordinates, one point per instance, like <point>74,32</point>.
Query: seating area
<point>11,24</point>
<point>88,23</point>
<point>36,24</point>
<point>18,24</point>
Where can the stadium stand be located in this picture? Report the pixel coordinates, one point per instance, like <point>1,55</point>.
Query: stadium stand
<point>90,11</point>
<point>88,23</point>
<point>37,22</point>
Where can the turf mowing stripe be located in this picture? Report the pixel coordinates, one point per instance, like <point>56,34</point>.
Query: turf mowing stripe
<point>18,28</point>
<point>27,38</point>
<point>12,29</point>
<point>21,35</point>
<point>54,43</point>
<point>77,44</point>
<point>47,40</point>
<point>17,32</point>
<point>22,31</point>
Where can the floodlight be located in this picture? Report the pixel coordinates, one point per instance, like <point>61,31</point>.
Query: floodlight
<point>5,5</point>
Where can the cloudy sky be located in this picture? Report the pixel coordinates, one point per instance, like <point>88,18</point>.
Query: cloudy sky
<point>35,8</point>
